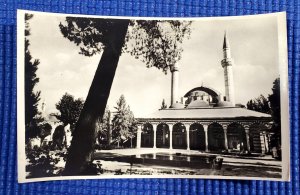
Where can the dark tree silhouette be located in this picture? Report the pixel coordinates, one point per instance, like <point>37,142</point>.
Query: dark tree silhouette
<point>69,110</point>
<point>45,131</point>
<point>32,98</point>
<point>157,43</point>
<point>270,105</point>
<point>260,104</point>
<point>163,105</point>
<point>274,100</point>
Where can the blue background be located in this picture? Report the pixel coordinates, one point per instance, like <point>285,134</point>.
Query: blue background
<point>170,8</point>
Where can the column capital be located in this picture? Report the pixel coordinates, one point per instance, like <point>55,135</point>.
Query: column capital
<point>170,123</point>
<point>154,123</point>
<point>224,124</point>
<point>247,129</point>
<point>205,124</point>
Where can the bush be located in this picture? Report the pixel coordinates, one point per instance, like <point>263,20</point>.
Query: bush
<point>43,162</point>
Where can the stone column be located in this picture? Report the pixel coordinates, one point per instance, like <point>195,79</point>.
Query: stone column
<point>139,136</point>
<point>171,135</point>
<point>187,127</point>
<point>263,143</point>
<point>154,137</point>
<point>267,142</point>
<point>225,137</point>
<point>247,138</point>
<point>164,129</point>
<point>205,127</point>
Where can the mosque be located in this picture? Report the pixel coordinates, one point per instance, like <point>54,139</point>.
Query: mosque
<point>204,120</point>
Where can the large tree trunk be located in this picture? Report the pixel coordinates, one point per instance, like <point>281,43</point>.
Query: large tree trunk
<point>82,145</point>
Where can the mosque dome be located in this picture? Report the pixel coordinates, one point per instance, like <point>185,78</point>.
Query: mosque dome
<point>225,104</point>
<point>177,105</point>
<point>198,104</point>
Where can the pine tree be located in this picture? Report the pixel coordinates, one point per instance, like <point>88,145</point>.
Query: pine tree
<point>274,100</point>
<point>123,123</point>
<point>32,98</point>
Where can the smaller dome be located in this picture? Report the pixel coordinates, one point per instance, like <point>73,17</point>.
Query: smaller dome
<point>225,104</point>
<point>177,105</point>
<point>198,103</point>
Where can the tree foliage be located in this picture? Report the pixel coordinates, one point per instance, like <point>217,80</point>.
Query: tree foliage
<point>104,128</point>
<point>270,105</point>
<point>157,43</point>
<point>32,97</point>
<point>274,100</point>
<point>45,131</point>
<point>69,110</point>
<point>123,123</point>
<point>163,105</point>
<point>260,104</point>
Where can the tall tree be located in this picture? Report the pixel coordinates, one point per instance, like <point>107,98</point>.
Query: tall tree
<point>32,98</point>
<point>123,122</point>
<point>157,43</point>
<point>274,100</point>
<point>69,110</point>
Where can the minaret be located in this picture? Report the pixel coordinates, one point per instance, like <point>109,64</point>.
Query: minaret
<point>43,109</point>
<point>227,64</point>
<point>174,84</point>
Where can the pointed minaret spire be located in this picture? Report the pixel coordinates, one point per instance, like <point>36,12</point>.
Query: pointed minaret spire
<point>227,64</point>
<point>225,43</point>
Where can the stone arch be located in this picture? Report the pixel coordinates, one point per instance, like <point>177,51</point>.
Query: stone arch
<point>216,141</point>
<point>162,136</point>
<point>236,137</point>
<point>256,138</point>
<point>179,136</point>
<point>147,137</point>
<point>214,122</point>
<point>197,137</point>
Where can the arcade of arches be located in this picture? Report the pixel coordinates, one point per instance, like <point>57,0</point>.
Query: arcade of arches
<point>214,136</point>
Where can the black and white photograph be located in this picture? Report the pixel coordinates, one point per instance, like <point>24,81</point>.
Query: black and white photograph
<point>130,97</point>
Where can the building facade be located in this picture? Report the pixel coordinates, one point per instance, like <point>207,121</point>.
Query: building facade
<point>206,121</point>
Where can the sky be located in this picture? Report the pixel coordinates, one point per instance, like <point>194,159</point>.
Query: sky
<point>254,48</point>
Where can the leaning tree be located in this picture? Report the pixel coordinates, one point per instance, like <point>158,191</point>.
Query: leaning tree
<point>157,43</point>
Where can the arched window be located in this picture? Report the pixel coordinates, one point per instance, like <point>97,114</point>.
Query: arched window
<point>197,137</point>
<point>179,136</point>
<point>162,136</point>
<point>147,137</point>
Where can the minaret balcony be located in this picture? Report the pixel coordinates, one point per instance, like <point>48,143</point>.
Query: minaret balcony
<point>227,62</point>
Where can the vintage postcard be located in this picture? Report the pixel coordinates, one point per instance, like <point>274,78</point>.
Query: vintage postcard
<point>130,97</point>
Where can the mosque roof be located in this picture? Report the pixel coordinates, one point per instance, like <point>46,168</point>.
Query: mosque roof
<point>206,113</point>
<point>177,105</point>
<point>198,104</point>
